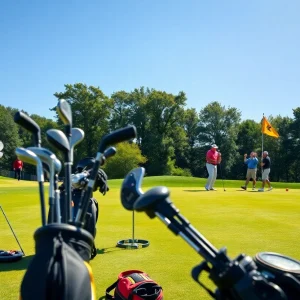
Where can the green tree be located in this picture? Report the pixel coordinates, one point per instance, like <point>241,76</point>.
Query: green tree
<point>9,137</point>
<point>91,112</point>
<point>128,157</point>
<point>219,125</point>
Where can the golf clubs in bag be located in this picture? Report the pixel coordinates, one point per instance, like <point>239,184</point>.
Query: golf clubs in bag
<point>60,269</point>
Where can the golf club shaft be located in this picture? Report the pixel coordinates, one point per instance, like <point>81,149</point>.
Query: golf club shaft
<point>11,229</point>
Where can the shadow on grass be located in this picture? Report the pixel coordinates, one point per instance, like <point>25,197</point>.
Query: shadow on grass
<point>16,265</point>
<point>102,298</point>
<point>195,191</point>
<point>109,249</point>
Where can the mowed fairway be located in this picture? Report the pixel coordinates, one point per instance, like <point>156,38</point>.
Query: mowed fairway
<point>243,221</point>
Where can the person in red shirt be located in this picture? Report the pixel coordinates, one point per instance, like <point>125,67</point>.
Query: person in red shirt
<point>18,167</point>
<point>213,158</point>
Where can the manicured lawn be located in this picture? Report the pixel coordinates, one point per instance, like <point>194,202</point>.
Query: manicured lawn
<point>244,222</point>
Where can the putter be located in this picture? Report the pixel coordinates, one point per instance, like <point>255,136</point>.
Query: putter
<point>31,158</point>
<point>114,137</point>
<point>131,187</point>
<point>222,178</point>
<point>54,165</point>
<point>58,139</point>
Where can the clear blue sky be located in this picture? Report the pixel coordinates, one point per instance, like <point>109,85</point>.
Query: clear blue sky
<point>243,54</point>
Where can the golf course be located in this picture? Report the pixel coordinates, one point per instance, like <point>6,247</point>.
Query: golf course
<point>242,221</point>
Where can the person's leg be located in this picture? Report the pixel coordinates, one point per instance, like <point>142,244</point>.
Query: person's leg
<point>19,174</point>
<point>244,187</point>
<point>209,168</point>
<point>15,174</point>
<point>214,177</point>
<point>264,177</point>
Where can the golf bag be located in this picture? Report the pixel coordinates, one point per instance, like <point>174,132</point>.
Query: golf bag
<point>134,285</point>
<point>60,270</point>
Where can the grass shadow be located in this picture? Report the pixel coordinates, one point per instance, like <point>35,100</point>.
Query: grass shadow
<point>102,297</point>
<point>16,265</point>
<point>195,191</point>
<point>108,250</point>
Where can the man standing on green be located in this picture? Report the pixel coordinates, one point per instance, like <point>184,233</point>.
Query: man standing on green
<point>266,168</point>
<point>251,163</point>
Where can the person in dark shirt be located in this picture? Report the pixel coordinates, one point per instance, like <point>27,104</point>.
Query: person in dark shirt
<point>266,168</point>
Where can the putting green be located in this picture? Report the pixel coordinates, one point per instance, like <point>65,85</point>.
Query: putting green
<point>244,221</point>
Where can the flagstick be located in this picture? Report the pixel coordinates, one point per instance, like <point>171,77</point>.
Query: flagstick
<point>262,145</point>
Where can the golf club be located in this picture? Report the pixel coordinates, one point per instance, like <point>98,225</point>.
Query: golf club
<point>222,177</point>
<point>31,158</point>
<point>54,165</point>
<point>1,148</point>
<point>114,137</point>
<point>76,138</point>
<point>131,187</point>
<point>58,139</point>
<point>80,180</point>
<point>12,230</point>
<point>26,122</point>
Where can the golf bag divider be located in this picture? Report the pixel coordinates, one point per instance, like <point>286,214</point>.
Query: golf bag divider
<point>59,268</point>
<point>134,285</point>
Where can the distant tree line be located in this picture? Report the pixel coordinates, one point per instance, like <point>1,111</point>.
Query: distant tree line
<point>172,139</point>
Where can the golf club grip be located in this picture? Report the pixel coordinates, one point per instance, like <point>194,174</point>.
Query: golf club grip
<point>30,125</point>
<point>117,136</point>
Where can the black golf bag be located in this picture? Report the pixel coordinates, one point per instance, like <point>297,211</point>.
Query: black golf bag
<point>91,215</point>
<point>60,269</point>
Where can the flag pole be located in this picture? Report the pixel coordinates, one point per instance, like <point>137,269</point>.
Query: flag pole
<point>262,143</point>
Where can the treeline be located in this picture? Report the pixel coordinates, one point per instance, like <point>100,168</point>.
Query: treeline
<point>172,139</point>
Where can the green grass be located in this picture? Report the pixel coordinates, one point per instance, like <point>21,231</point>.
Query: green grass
<point>244,222</point>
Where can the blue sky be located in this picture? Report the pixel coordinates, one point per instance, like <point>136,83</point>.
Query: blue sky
<point>243,54</point>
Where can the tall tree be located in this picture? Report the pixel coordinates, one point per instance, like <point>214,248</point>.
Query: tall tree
<point>91,112</point>
<point>9,137</point>
<point>219,125</point>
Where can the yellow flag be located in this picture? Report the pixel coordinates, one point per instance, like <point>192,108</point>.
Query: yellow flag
<point>267,128</point>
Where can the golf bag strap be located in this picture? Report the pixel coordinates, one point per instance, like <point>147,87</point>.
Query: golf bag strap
<point>109,289</point>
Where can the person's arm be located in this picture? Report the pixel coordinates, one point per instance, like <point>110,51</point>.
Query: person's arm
<point>210,159</point>
<point>245,158</point>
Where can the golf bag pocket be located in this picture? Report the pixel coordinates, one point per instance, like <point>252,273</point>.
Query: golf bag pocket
<point>59,270</point>
<point>135,285</point>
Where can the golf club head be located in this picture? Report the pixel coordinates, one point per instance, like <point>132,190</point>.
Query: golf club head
<point>117,136</point>
<point>48,158</point>
<point>131,188</point>
<point>30,125</point>
<point>149,201</point>
<point>1,154</point>
<point>58,139</point>
<point>77,137</point>
<point>1,145</point>
<point>31,158</point>
<point>64,111</point>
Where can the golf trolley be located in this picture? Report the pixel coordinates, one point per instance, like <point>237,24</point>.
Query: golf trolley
<point>267,276</point>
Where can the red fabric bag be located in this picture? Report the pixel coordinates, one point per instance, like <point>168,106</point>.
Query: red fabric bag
<point>135,285</point>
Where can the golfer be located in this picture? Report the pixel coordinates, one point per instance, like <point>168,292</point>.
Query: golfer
<point>251,163</point>
<point>266,168</point>
<point>18,166</point>
<point>213,158</point>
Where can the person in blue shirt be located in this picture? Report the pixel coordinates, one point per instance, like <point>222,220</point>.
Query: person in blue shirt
<point>251,163</point>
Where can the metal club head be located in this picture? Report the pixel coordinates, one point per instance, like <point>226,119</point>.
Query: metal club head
<point>64,111</point>
<point>58,139</point>
<point>76,138</point>
<point>1,145</point>
<point>131,188</point>
<point>30,125</point>
<point>31,158</point>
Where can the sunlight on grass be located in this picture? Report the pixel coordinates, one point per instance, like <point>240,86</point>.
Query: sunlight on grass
<point>244,221</point>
